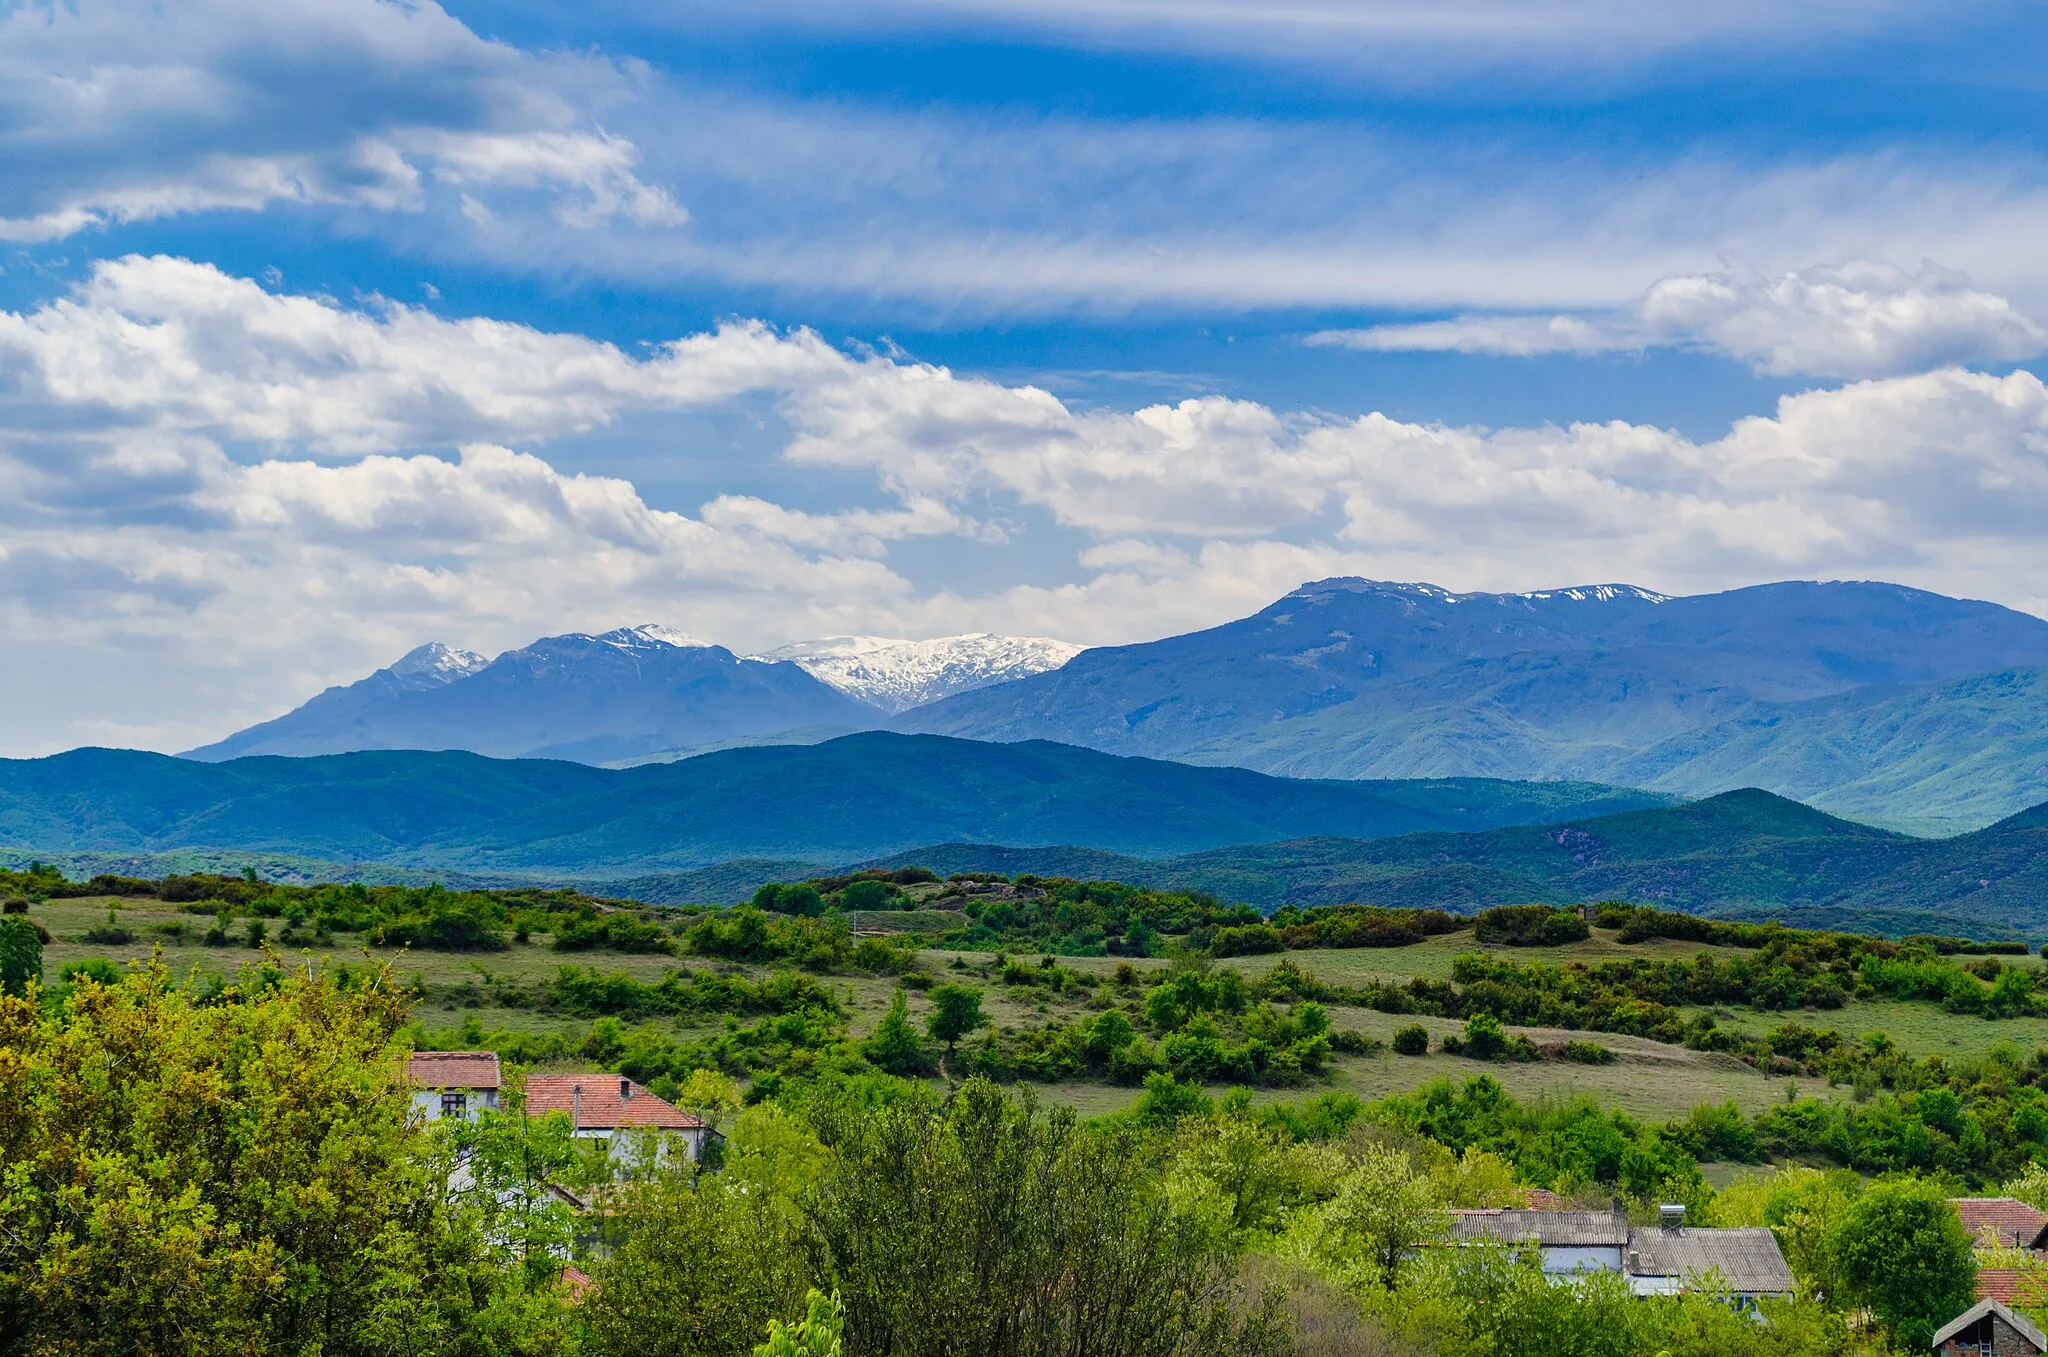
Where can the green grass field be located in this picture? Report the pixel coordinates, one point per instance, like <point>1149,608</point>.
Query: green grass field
<point>1648,1079</point>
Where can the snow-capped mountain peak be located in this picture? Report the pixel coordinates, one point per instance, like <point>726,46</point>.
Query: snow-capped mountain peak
<point>434,665</point>
<point>652,634</point>
<point>895,674</point>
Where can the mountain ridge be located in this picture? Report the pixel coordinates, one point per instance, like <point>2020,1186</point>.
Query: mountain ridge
<point>852,797</point>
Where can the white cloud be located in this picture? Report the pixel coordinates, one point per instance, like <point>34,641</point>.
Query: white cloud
<point>120,111</point>
<point>239,494</point>
<point>1861,319</point>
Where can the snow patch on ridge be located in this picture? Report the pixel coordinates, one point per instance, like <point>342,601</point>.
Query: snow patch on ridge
<point>434,665</point>
<point>896,675</point>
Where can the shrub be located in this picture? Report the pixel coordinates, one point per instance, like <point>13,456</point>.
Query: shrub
<point>1357,1043</point>
<point>1412,1040</point>
<point>1530,926</point>
<point>1588,1053</point>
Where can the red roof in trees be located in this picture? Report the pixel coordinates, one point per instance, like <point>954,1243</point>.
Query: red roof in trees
<point>2012,1223</point>
<point>608,1102</point>
<point>453,1069</point>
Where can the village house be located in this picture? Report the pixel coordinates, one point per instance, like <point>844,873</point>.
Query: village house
<point>2004,1227</point>
<point>452,1083</point>
<point>1989,1329</point>
<point>612,1108</point>
<point>2002,1222</point>
<point>1660,1259</point>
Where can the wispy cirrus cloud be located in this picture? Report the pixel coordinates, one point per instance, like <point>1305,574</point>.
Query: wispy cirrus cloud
<point>1861,319</point>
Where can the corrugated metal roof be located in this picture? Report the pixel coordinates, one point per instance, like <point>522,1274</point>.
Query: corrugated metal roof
<point>1748,1260</point>
<point>1551,1229</point>
<point>608,1102</point>
<point>453,1069</point>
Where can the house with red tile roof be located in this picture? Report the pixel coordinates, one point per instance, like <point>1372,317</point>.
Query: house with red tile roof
<point>453,1083</point>
<point>2002,1222</point>
<point>615,1109</point>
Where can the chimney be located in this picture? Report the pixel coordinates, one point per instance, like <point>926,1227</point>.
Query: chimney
<point>575,1109</point>
<point>625,1090</point>
<point>1671,1215</point>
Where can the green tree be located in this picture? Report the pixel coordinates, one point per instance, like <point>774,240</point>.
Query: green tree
<point>893,1045</point>
<point>816,1336</point>
<point>700,1268</point>
<point>1902,1251</point>
<point>232,1176</point>
<point>1412,1040</point>
<point>21,954</point>
<point>1382,1211</point>
<point>980,1225</point>
<point>800,900</point>
<point>1485,1039</point>
<point>956,1011</point>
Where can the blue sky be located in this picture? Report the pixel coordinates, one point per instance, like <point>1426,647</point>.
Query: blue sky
<point>330,328</point>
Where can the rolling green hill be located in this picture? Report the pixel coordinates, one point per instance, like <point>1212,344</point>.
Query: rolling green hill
<point>1746,853</point>
<point>856,797</point>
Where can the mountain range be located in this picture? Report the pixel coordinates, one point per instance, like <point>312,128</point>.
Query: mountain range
<point>855,797</point>
<point>1905,707</point>
<point>634,693</point>
<point>1881,703</point>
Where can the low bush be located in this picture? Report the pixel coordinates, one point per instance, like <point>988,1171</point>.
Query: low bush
<point>1530,926</point>
<point>1412,1040</point>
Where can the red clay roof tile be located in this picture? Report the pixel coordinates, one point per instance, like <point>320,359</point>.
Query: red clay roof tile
<point>601,1106</point>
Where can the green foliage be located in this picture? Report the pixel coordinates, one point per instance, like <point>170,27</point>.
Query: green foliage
<point>1902,1251</point>
<point>893,1046</point>
<point>21,955</point>
<point>616,931</point>
<point>822,943</point>
<point>1412,1039</point>
<point>979,1225</point>
<point>956,1011</point>
<point>1530,926</point>
<point>700,1267</point>
<point>816,1336</point>
<point>237,1175</point>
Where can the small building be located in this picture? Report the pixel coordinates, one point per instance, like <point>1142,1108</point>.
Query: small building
<point>2002,1222</point>
<point>1745,1262</point>
<point>1989,1329</point>
<point>612,1108</point>
<point>453,1083</point>
<point>1662,1259</point>
<point>1568,1241</point>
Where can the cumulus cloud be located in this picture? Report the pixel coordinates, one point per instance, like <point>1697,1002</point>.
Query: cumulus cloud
<point>258,494</point>
<point>120,111</point>
<point>1861,319</point>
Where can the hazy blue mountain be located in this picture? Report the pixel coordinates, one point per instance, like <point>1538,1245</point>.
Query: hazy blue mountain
<point>1744,853</point>
<point>594,699</point>
<point>855,797</point>
<point>1936,759</point>
<point>1354,678</point>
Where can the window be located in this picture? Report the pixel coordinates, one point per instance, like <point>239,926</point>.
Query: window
<point>454,1103</point>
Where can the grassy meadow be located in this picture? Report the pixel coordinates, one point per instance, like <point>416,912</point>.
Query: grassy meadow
<point>1649,1079</point>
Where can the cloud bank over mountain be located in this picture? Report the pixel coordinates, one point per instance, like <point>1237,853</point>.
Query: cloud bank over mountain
<point>187,450</point>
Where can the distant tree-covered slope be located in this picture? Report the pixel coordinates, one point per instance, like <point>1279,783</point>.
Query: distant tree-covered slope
<point>856,797</point>
<point>1357,678</point>
<point>1745,853</point>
